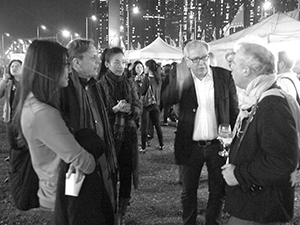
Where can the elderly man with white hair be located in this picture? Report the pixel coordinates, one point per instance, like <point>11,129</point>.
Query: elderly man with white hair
<point>264,152</point>
<point>207,98</point>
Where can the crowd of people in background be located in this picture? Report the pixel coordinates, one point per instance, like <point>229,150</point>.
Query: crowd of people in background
<point>78,112</point>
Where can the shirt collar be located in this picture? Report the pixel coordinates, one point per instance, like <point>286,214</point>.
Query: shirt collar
<point>209,73</point>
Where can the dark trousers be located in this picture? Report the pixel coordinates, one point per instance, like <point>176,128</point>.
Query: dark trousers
<point>151,113</point>
<point>166,113</point>
<point>236,221</point>
<point>216,184</point>
<point>125,167</point>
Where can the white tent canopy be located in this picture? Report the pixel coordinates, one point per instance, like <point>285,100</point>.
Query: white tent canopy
<point>277,31</point>
<point>295,14</point>
<point>157,50</point>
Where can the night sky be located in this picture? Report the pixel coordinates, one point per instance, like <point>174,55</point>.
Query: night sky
<point>20,18</point>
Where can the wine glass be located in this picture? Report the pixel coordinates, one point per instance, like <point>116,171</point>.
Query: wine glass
<point>225,137</point>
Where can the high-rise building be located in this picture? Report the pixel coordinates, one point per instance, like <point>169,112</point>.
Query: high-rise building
<point>198,19</point>
<point>100,10</point>
<point>107,26</point>
<point>178,20</point>
<point>148,23</point>
<point>173,21</point>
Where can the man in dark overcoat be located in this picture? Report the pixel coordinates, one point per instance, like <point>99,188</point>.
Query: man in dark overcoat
<point>263,158</point>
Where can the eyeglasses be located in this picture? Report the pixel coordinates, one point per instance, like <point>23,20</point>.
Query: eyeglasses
<point>198,59</point>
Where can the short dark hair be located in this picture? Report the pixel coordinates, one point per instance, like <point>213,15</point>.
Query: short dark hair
<point>111,52</point>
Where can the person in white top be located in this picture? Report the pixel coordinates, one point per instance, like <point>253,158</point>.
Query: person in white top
<point>287,79</point>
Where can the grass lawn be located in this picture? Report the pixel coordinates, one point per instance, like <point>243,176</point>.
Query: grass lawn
<point>156,202</point>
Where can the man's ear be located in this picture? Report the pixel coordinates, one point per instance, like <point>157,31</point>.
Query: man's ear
<point>106,64</point>
<point>76,64</point>
<point>247,71</point>
<point>187,62</point>
<point>280,64</point>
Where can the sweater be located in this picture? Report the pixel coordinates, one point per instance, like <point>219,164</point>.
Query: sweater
<point>49,142</point>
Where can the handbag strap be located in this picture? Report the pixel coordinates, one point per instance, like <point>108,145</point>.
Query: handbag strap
<point>249,120</point>
<point>297,94</point>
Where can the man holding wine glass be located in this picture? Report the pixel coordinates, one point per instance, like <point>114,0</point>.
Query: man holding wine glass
<point>207,98</point>
<point>264,153</point>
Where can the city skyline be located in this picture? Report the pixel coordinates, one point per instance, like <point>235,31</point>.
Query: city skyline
<point>21,18</point>
<point>172,20</point>
<point>187,19</point>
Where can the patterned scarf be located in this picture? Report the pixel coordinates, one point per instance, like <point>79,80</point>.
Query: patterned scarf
<point>251,96</point>
<point>116,88</point>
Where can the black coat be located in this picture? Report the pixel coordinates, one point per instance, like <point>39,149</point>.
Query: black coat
<point>92,206</point>
<point>264,162</point>
<point>226,107</point>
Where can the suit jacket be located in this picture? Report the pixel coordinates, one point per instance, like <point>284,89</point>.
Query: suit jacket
<point>92,206</point>
<point>226,107</point>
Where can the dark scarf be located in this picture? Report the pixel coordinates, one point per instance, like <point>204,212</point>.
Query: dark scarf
<point>86,117</point>
<point>117,88</point>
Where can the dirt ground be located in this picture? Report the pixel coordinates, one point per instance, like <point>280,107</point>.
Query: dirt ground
<point>155,202</point>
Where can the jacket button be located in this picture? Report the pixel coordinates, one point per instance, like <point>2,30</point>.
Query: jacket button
<point>194,110</point>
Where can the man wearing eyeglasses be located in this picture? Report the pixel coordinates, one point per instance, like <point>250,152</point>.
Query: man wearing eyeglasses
<point>83,108</point>
<point>207,97</point>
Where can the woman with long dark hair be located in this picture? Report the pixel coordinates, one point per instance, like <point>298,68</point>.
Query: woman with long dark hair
<point>42,127</point>
<point>124,107</point>
<point>152,112</point>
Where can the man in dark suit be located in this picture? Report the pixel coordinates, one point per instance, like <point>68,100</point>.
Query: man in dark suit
<point>207,97</point>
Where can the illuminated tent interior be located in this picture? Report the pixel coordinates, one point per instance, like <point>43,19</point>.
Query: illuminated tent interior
<point>278,32</point>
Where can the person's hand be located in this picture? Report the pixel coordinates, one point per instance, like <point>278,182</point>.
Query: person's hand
<point>182,72</point>
<point>126,108</point>
<point>137,78</point>
<point>78,173</point>
<point>6,76</point>
<point>119,107</point>
<point>228,174</point>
